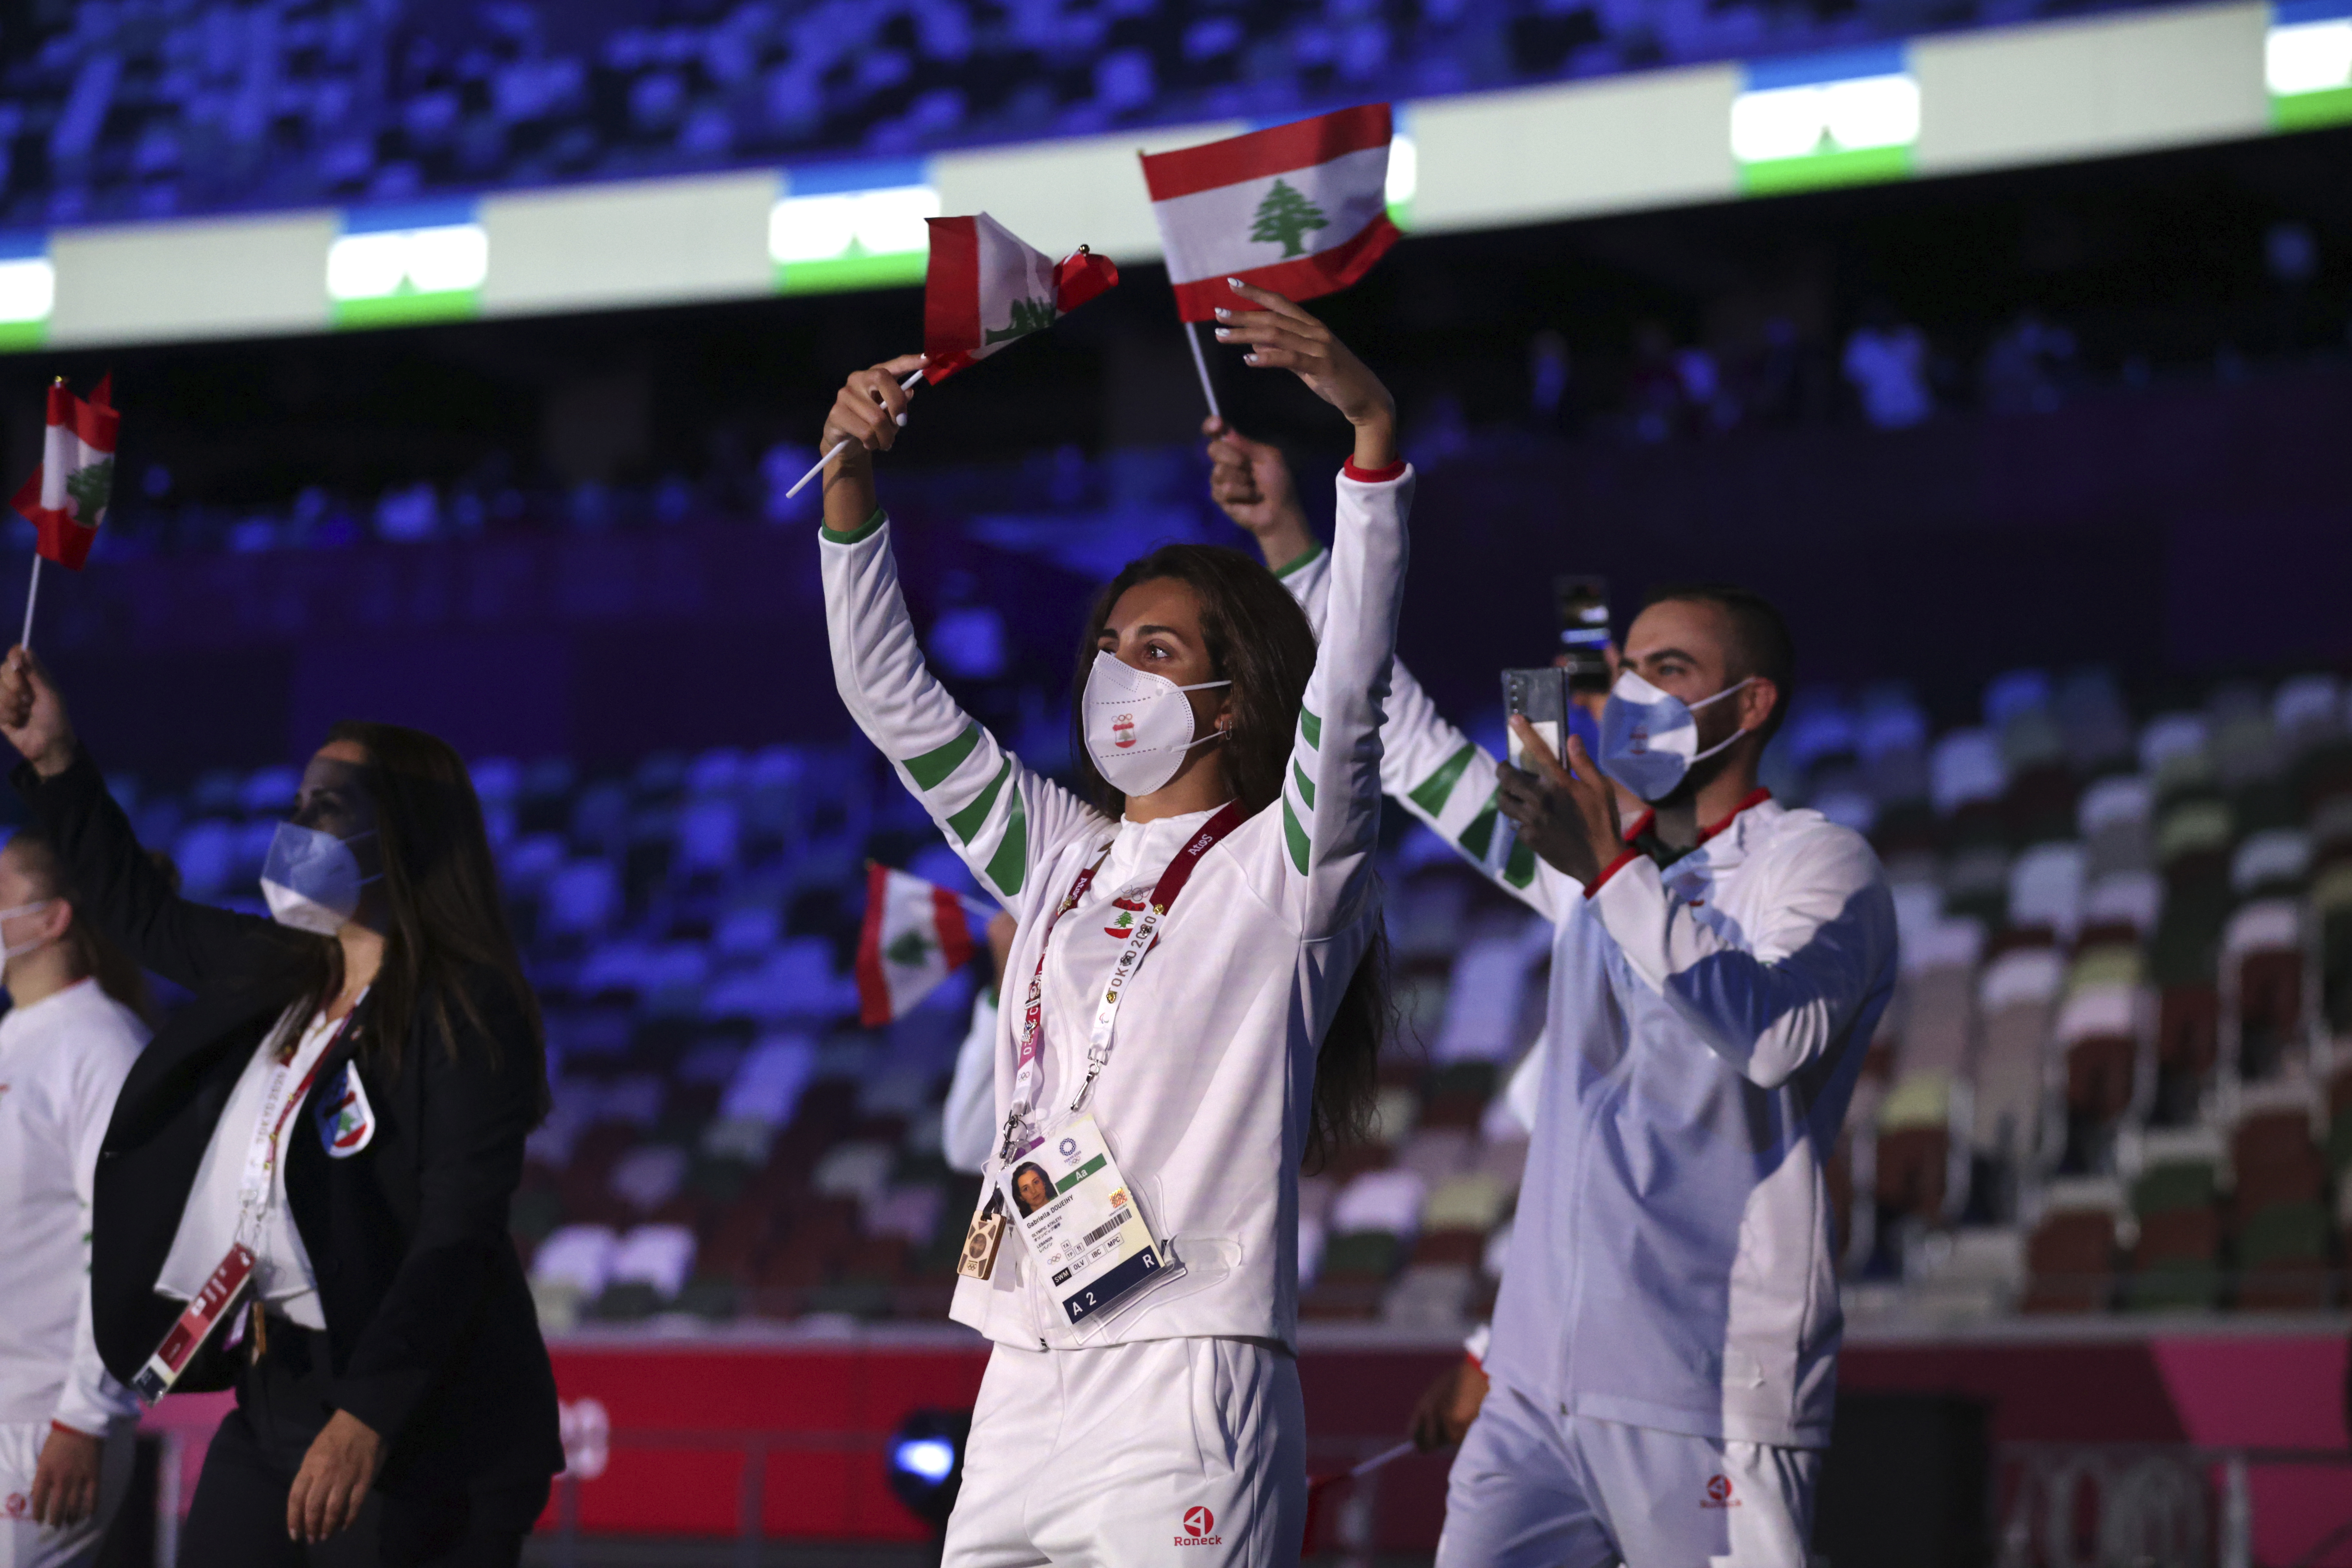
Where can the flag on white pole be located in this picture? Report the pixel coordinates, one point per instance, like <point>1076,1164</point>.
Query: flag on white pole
<point>1301,209</point>
<point>66,498</point>
<point>916,933</point>
<point>986,288</point>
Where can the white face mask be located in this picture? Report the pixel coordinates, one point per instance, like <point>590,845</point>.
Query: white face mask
<point>312,880</point>
<point>9,950</point>
<point>1139,725</point>
<point>1648,738</point>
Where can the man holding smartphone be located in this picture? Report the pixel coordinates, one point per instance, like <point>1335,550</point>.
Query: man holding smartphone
<point>1664,1358</point>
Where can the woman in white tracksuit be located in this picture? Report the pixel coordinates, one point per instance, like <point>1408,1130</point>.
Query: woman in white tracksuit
<point>68,1040</point>
<point>1224,744</point>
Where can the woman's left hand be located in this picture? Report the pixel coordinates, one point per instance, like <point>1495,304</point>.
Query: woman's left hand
<point>334,1479</point>
<point>1284,337</point>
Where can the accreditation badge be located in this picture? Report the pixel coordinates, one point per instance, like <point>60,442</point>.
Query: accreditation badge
<point>1085,1231</point>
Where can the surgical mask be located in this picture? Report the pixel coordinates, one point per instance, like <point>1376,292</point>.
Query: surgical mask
<point>1649,740</point>
<point>1139,725</point>
<point>17,950</point>
<point>312,880</point>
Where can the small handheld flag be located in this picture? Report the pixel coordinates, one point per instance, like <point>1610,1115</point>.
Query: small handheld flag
<point>1300,209</point>
<point>916,933</point>
<point>66,497</point>
<point>984,287</point>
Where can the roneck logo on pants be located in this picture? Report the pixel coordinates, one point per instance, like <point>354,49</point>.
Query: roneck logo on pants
<point>1718,1493</point>
<point>1198,1524</point>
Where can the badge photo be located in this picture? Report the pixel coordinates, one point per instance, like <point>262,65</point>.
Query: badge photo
<point>346,1119</point>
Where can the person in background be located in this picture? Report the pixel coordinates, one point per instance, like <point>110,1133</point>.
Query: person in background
<point>78,1013</point>
<point>1665,1352</point>
<point>1429,767</point>
<point>338,1115</point>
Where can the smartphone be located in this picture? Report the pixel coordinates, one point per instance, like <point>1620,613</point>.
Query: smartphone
<point>1540,696</point>
<point>1583,605</point>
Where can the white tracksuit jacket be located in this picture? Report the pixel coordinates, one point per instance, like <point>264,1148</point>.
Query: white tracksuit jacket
<point>1433,769</point>
<point>62,1062</point>
<point>1671,1263</point>
<point>1206,1101</point>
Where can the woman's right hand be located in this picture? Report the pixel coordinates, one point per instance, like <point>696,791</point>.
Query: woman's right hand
<point>870,408</point>
<point>866,415</point>
<point>33,715</point>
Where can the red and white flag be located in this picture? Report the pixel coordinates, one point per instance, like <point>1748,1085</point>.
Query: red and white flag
<point>66,498</point>
<point>1301,209</point>
<point>917,934</point>
<point>985,288</point>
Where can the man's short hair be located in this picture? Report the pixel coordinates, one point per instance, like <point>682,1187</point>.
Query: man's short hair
<point>1760,644</point>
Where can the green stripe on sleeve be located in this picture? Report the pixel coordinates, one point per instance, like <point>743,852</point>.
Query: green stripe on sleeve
<point>1520,869</point>
<point>929,770</point>
<point>1009,866</point>
<point>974,817</point>
<point>834,536</point>
<point>1313,552</point>
<point>1305,785</point>
<point>1431,793</point>
<point>1311,727</point>
<point>1475,838</point>
<point>1296,835</point>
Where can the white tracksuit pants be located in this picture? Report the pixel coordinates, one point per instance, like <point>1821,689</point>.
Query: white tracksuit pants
<point>23,1543</point>
<point>1534,1489</point>
<point>1158,1452</point>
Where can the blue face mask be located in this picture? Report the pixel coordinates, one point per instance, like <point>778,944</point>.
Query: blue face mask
<point>311,879</point>
<point>1648,738</point>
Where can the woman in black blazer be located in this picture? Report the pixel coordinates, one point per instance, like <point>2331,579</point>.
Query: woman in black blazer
<point>418,1426</point>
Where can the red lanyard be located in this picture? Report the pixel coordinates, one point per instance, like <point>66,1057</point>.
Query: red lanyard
<point>1032,1014</point>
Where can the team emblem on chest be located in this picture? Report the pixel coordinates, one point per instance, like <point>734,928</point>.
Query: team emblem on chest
<point>1128,904</point>
<point>346,1119</point>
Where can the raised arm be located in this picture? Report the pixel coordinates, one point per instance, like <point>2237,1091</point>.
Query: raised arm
<point>1003,817</point>
<point>125,892</point>
<point>1331,792</point>
<point>1427,766</point>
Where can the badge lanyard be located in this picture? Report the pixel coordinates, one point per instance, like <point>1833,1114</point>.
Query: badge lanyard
<point>1171,882</point>
<point>229,1279</point>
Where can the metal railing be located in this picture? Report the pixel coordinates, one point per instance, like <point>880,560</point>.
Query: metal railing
<point>2140,1505</point>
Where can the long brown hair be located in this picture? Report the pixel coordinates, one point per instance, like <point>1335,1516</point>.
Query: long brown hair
<point>1258,638</point>
<point>447,925</point>
<point>95,954</point>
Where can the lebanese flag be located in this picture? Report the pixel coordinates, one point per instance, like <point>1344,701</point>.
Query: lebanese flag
<point>66,498</point>
<point>1301,209</point>
<point>985,288</point>
<point>917,934</point>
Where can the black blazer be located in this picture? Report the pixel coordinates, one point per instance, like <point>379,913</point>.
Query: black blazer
<point>435,1344</point>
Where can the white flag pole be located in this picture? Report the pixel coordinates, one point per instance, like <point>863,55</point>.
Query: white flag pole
<point>32,595</point>
<point>1192,341</point>
<point>842,445</point>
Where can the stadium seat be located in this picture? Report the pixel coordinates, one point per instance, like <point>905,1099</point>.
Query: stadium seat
<point>2070,1253</point>
<point>2262,997</point>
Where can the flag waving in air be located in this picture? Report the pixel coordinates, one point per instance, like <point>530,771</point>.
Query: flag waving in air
<point>1301,209</point>
<point>916,933</point>
<point>66,498</point>
<point>986,288</point>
